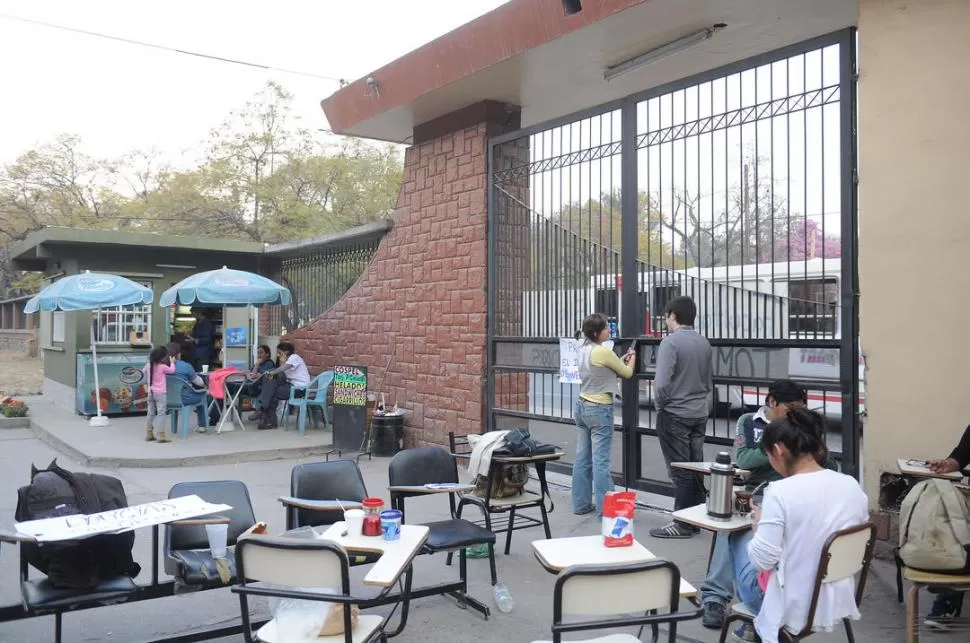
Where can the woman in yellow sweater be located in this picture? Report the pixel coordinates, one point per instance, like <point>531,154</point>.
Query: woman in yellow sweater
<point>598,368</point>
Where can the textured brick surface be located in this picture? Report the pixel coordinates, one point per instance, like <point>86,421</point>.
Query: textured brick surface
<point>422,301</point>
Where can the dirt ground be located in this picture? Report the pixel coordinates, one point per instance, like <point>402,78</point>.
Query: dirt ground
<point>19,374</point>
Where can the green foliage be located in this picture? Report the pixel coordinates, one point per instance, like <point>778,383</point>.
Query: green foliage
<point>261,177</point>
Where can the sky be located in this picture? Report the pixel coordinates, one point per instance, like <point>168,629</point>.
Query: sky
<point>119,97</point>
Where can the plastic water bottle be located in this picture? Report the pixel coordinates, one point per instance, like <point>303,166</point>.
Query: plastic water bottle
<point>503,599</point>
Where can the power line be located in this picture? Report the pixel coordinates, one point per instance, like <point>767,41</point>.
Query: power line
<point>141,43</point>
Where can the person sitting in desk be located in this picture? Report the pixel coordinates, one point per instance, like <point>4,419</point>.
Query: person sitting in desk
<point>948,605</point>
<point>194,393</point>
<point>788,533</point>
<point>278,382</point>
<point>782,396</point>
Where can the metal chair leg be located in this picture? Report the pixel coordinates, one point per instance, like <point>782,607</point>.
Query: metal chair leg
<point>726,627</point>
<point>491,563</point>
<point>57,627</point>
<point>912,614</point>
<point>508,531</point>
<point>848,630</point>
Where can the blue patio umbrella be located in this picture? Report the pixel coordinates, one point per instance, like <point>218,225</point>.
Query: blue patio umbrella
<point>225,287</point>
<point>90,291</point>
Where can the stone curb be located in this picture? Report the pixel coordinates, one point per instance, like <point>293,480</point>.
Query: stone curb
<point>255,455</point>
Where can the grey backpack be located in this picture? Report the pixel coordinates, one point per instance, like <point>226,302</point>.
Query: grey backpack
<point>934,527</point>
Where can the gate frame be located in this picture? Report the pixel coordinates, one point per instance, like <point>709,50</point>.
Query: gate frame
<point>848,343</point>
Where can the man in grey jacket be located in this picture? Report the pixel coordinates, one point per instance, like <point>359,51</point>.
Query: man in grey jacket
<point>681,392</point>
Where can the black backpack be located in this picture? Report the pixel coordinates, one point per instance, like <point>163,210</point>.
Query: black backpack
<point>76,564</point>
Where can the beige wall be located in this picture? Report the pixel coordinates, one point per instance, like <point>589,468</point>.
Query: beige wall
<point>914,214</point>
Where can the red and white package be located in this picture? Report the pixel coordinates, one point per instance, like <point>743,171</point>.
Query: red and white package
<point>618,510</point>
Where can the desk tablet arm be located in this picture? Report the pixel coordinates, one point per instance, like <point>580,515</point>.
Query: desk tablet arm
<point>318,505</point>
<point>200,521</point>
<point>15,537</point>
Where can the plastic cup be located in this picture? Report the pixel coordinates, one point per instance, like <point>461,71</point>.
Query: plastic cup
<point>742,502</point>
<point>354,521</point>
<point>218,535</point>
<point>205,369</point>
<point>391,524</point>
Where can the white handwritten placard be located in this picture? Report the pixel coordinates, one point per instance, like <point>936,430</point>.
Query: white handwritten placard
<point>569,360</point>
<point>117,520</point>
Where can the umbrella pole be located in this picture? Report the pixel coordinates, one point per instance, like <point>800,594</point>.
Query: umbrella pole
<point>97,420</point>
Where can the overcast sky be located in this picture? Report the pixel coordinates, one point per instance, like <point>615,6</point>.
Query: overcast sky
<point>120,96</point>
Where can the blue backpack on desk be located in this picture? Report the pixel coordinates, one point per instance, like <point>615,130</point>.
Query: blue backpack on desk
<point>519,443</point>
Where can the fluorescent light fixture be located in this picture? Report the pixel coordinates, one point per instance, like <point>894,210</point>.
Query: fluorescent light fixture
<point>662,51</point>
<point>174,265</point>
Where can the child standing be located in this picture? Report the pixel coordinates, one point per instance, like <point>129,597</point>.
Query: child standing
<point>159,365</point>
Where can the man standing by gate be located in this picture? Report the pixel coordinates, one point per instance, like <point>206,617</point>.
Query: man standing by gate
<point>681,393</point>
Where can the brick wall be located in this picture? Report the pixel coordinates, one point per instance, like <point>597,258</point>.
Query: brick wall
<point>421,303</point>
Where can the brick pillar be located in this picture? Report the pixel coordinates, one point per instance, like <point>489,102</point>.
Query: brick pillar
<point>513,260</point>
<point>421,303</point>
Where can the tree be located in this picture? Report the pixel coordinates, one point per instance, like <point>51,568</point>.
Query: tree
<point>55,184</point>
<point>755,225</point>
<point>262,177</point>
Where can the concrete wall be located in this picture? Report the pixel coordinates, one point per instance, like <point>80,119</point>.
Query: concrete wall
<point>914,134</point>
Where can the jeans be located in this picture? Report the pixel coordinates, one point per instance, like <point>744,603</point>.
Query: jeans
<point>274,391</point>
<point>591,468</point>
<point>745,575</point>
<point>682,440</point>
<point>189,398</point>
<point>718,587</point>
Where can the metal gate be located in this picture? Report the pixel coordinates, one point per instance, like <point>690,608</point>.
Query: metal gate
<point>736,187</point>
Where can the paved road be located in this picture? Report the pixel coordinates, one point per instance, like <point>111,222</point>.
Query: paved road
<point>433,620</point>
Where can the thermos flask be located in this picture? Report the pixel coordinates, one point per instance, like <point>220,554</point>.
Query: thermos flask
<point>720,500</point>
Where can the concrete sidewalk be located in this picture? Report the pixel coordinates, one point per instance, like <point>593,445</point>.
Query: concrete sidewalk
<point>433,620</point>
<point>122,442</point>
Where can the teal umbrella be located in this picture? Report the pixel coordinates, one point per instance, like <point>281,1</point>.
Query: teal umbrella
<point>225,287</point>
<point>90,291</point>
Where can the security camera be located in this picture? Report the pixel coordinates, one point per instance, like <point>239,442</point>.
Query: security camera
<point>371,82</point>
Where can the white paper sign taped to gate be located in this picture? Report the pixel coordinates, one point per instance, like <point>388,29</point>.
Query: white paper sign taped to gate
<point>117,520</point>
<point>569,360</point>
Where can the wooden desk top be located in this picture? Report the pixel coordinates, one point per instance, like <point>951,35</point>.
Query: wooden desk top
<point>705,468</point>
<point>697,516</point>
<point>319,505</point>
<point>528,458</point>
<point>557,554</point>
<point>396,555</point>
<point>434,488</point>
<point>910,468</point>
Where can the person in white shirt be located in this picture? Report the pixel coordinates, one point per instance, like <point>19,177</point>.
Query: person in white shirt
<point>291,374</point>
<point>798,515</point>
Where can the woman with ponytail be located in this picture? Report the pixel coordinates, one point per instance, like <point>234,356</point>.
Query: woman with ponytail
<point>775,563</point>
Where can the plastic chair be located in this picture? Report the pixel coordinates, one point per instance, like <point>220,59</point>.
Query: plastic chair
<point>173,390</point>
<point>313,395</point>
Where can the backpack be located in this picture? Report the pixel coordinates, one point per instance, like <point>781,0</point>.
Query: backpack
<point>76,564</point>
<point>509,480</point>
<point>934,528</point>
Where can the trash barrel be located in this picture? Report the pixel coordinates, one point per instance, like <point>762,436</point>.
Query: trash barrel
<point>388,434</point>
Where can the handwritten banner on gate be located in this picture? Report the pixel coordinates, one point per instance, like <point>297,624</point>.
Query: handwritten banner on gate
<point>350,385</point>
<point>569,360</point>
<point>78,526</point>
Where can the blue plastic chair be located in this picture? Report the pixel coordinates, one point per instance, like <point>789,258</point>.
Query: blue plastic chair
<point>313,395</point>
<point>174,405</point>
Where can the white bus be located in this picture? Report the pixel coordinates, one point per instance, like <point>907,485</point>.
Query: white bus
<point>796,300</point>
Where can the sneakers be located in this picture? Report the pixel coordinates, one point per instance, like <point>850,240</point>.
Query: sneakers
<point>262,426</point>
<point>745,632</point>
<point>946,606</point>
<point>674,530</point>
<point>713,617</point>
<point>583,512</point>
